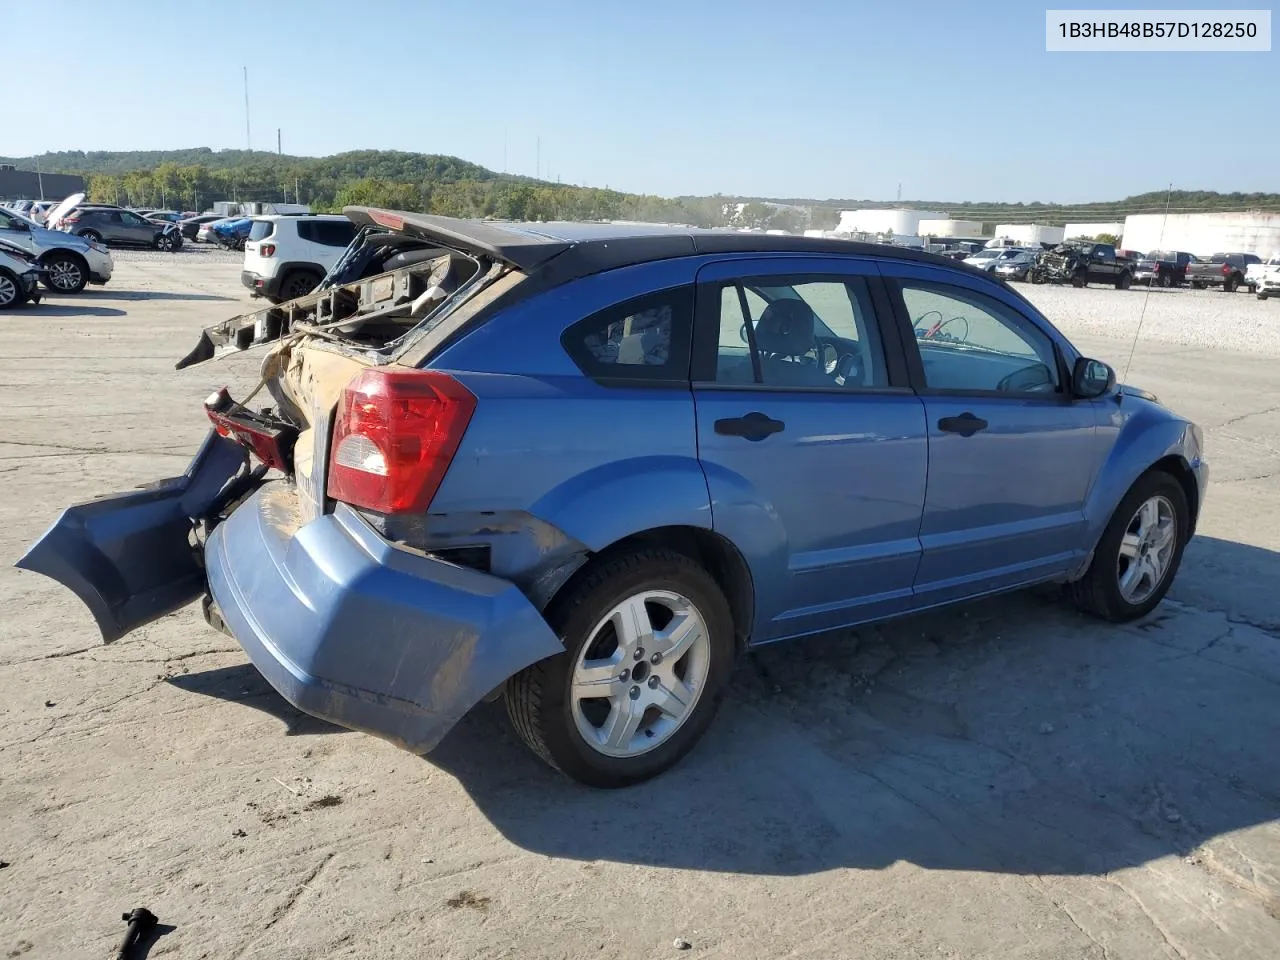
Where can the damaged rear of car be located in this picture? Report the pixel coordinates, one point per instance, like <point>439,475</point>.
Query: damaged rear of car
<point>286,522</point>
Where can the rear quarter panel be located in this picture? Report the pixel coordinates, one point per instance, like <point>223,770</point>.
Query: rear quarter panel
<point>559,455</point>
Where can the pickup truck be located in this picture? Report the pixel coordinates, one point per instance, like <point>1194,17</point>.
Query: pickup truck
<point>1163,268</point>
<point>1083,262</point>
<point>1264,278</point>
<point>1225,270</point>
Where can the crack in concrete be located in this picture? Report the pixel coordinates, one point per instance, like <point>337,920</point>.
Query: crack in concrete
<point>1246,416</point>
<point>1039,887</point>
<point>1155,924</point>
<point>282,911</point>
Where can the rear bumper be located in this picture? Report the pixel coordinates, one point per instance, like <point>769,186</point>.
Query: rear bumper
<point>353,630</point>
<point>260,285</point>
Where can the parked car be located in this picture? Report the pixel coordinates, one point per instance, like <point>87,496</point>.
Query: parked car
<point>105,224</point>
<point>1163,268</point>
<point>530,468</point>
<point>19,277</point>
<point>165,216</point>
<point>68,262</point>
<point>190,226</point>
<point>1083,262</point>
<point>230,234</point>
<point>286,256</point>
<point>1264,278</point>
<point>1015,267</point>
<point>1225,270</point>
<point>989,258</point>
<point>205,233</point>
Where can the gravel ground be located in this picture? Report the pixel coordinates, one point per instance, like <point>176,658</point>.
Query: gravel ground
<point>1202,318</point>
<point>1005,779</point>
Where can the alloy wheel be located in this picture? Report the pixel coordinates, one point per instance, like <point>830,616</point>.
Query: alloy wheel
<point>640,674</point>
<point>1146,550</point>
<point>65,275</point>
<point>8,291</point>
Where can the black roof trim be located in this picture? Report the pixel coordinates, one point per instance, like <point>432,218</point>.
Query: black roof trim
<point>580,249</point>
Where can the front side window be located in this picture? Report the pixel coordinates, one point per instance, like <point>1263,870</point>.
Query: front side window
<point>970,342</point>
<point>799,332</point>
<point>642,339</point>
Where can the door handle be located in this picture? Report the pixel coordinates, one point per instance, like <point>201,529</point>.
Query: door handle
<point>752,426</point>
<point>966,424</point>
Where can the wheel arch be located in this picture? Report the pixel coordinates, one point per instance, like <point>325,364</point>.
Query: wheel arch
<point>712,551</point>
<point>1177,467</point>
<point>65,252</point>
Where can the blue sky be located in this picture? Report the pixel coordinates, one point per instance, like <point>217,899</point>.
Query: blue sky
<point>954,100</point>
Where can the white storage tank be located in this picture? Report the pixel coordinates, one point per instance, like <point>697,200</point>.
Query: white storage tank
<point>1204,233</point>
<point>1026,234</point>
<point>896,221</point>
<point>950,228</point>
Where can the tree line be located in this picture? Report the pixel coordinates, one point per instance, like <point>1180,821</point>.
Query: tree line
<point>194,179</point>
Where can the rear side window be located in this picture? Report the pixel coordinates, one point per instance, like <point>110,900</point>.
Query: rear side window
<point>261,229</point>
<point>642,339</point>
<point>331,233</point>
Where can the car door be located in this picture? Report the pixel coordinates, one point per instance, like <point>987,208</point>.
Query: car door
<point>1102,264</point>
<point>812,442</point>
<point>1011,455</point>
<point>135,229</point>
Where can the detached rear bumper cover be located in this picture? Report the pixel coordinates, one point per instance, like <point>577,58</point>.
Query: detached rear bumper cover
<point>355,631</point>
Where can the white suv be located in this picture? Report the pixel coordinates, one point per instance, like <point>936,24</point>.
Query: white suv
<point>286,256</point>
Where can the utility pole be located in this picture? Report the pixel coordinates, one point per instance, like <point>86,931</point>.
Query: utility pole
<point>279,151</point>
<point>537,168</point>
<point>248,140</point>
<point>504,149</point>
<point>899,192</point>
<point>40,178</point>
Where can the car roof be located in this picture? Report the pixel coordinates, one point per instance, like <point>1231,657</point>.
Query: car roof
<point>582,248</point>
<point>298,216</point>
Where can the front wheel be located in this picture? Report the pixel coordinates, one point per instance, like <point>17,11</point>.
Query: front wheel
<point>11,291</point>
<point>1124,280</point>
<point>93,236</point>
<point>65,273</point>
<point>165,243</point>
<point>649,646</point>
<point>1138,554</point>
<point>1079,280</point>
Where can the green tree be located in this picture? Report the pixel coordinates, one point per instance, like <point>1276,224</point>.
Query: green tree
<point>370,192</point>
<point>167,182</point>
<point>104,188</point>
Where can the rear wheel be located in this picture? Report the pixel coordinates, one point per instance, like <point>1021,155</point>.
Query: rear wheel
<point>1138,554</point>
<point>93,236</point>
<point>298,283</point>
<point>11,292</point>
<point>1166,280</point>
<point>649,646</point>
<point>1229,285</point>
<point>65,273</point>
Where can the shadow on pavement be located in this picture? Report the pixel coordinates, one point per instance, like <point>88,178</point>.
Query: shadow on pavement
<point>1009,735</point>
<point>47,308</point>
<point>245,685</point>
<point>102,294</point>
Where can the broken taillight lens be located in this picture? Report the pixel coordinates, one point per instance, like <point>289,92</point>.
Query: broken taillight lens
<point>267,249</point>
<point>394,436</point>
<point>270,440</point>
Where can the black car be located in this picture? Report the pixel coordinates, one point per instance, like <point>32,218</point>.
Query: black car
<point>116,226</point>
<point>190,227</point>
<point>1163,268</point>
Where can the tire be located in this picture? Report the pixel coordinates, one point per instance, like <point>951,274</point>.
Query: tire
<point>298,283</point>
<point>1262,296</point>
<point>11,292</point>
<point>1124,281</point>
<point>1166,280</point>
<point>66,272</point>
<point>1229,285</point>
<point>1099,592</point>
<point>556,725</point>
<point>166,243</point>
<point>1079,280</point>
<point>93,236</point>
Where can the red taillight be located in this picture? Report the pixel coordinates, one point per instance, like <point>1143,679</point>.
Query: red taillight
<point>71,218</point>
<point>267,249</point>
<point>1226,268</point>
<point>395,434</point>
<point>269,443</point>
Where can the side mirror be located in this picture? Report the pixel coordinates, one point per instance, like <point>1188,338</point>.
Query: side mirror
<point>1091,379</point>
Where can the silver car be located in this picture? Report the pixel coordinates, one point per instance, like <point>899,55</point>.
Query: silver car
<point>18,276</point>
<point>69,261</point>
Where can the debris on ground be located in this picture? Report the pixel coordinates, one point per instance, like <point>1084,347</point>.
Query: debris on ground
<point>468,899</point>
<point>238,833</point>
<point>328,800</point>
<point>681,944</point>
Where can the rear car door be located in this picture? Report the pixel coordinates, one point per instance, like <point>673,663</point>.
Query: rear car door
<point>812,442</point>
<point>1011,456</point>
<point>135,229</point>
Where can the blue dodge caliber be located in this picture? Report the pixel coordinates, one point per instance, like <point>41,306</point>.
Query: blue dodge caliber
<point>582,467</point>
